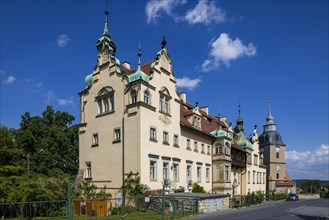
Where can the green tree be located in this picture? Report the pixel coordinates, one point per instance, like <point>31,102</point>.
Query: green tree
<point>50,142</point>
<point>10,154</point>
<point>196,188</point>
<point>133,186</point>
<point>311,186</point>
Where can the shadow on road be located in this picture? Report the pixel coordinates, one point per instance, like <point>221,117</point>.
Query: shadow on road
<point>311,217</point>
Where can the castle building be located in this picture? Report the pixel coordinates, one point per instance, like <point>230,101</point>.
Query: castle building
<point>134,120</point>
<point>274,151</point>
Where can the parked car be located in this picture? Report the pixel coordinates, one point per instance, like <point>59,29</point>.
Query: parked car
<point>292,197</point>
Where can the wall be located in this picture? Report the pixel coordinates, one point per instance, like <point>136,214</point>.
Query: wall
<point>309,196</point>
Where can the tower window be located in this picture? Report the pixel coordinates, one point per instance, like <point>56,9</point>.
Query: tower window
<point>133,96</point>
<point>277,175</point>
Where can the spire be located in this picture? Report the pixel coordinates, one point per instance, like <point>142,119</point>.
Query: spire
<point>269,116</point>
<point>164,42</point>
<point>270,124</point>
<point>239,122</point>
<point>139,56</point>
<point>106,29</point>
<point>105,42</point>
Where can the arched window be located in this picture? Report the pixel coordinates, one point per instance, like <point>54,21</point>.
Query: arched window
<point>277,149</point>
<point>164,100</point>
<point>147,97</point>
<point>133,96</point>
<point>227,149</point>
<point>105,100</point>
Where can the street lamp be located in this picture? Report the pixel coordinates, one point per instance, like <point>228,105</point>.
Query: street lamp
<point>165,190</point>
<point>189,186</point>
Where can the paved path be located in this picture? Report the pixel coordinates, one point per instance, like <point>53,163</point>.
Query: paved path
<point>317,209</point>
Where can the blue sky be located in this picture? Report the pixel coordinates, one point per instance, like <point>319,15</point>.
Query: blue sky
<point>221,52</point>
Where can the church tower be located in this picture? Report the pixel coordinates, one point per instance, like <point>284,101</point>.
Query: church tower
<point>274,151</point>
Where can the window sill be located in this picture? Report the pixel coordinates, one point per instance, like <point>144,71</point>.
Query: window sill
<point>165,143</point>
<point>155,180</point>
<point>196,151</point>
<point>165,113</point>
<point>202,152</point>
<point>116,141</point>
<point>105,113</point>
<point>188,149</point>
<point>88,178</point>
<point>208,154</point>
<point>176,145</point>
<point>154,140</point>
<point>94,145</point>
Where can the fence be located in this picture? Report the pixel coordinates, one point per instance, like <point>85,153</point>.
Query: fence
<point>144,207</point>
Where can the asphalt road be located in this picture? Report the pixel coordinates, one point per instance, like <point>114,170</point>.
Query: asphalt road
<point>317,209</point>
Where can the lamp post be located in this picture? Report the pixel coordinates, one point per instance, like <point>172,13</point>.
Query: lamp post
<point>189,186</point>
<point>165,188</point>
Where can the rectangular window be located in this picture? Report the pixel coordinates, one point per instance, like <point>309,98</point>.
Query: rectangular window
<point>176,171</point>
<point>253,177</point>
<point>226,173</point>
<point>153,170</point>
<point>248,177</point>
<point>165,137</point>
<point>208,150</point>
<point>153,134</point>
<point>117,135</point>
<point>100,107</point>
<point>207,174</point>
<point>264,178</point>
<point>111,102</point>
<point>88,169</point>
<point>176,140</point>
<point>165,170</point>
<point>255,159</point>
<point>196,146</point>
<point>202,148</point>
<point>188,144</point>
<point>106,104</point>
<point>257,177</point>
<point>198,174</point>
<point>95,139</point>
<point>188,172</point>
<point>218,149</point>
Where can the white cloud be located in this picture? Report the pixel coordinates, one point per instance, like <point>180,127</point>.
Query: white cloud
<point>62,40</point>
<point>50,95</point>
<point>205,12</point>
<point>65,101</point>
<point>9,80</point>
<point>188,83</point>
<point>309,164</point>
<point>224,50</point>
<point>154,8</point>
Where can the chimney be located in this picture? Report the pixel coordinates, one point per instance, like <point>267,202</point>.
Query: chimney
<point>183,96</point>
<point>126,65</point>
<point>205,109</point>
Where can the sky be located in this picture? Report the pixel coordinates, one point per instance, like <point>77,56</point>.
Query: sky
<point>223,53</point>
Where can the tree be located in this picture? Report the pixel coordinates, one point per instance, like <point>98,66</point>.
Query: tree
<point>50,142</point>
<point>312,186</point>
<point>196,188</point>
<point>10,162</point>
<point>133,186</point>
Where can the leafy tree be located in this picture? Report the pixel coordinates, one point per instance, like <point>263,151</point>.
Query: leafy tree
<point>50,141</point>
<point>10,163</point>
<point>312,186</point>
<point>133,186</point>
<point>196,188</point>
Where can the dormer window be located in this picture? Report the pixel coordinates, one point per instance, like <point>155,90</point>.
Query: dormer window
<point>196,123</point>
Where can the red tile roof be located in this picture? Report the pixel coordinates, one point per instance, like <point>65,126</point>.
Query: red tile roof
<point>208,122</point>
<point>146,68</point>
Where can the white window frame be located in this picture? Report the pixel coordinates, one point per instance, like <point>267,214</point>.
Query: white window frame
<point>189,172</point>
<point>153,133</point>
<point>95,139</point>
<point>196,146</point>
<point>165,170</point>
<point>176,140</point>
<point>165,137</point>
<point>226,173</point>
<point>133,96</point>
<point>207,174</point>
<point>188,144</point>
<point>117,134</point>
<point>153,170</point>
<point>176,172</point>
<point>198,173</point>
<point>89,170</point>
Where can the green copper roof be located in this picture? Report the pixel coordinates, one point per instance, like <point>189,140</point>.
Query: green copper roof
<point>221,133</point>
<point>242,141</point>
<point>139,74</point>
<point>89,80</point>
